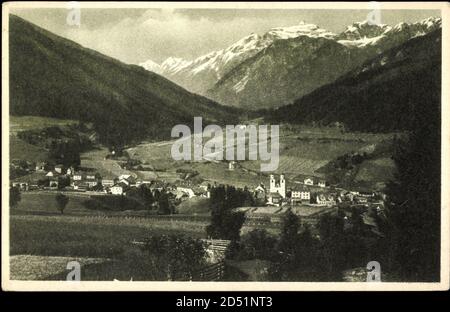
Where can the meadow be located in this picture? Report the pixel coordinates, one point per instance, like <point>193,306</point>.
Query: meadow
<point>303,150</point>
<point>23,123</point>
<point>42,240</point>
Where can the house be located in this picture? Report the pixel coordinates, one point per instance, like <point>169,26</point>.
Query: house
<point>300,194</point>
<point>145,182</point>
<point>59,168</point>
<point>77,176</point>
<point>41,166</point>
<point>91,182</point>
<point>206,186</point>
<point>274,199</point>
<point>70,171</point>
<point>188,191</point>
<point>366,194</point>
<point>108,182</point>
<point>127,179</point>
<point>90,176</point>
<point>53,182</point>
<point>79,185</point>
<point>360,199</point>
<point>325,199</point>
<point>119,188</point>
<point>322,183</point>
<point>260,194</point>
<point>232,165</point>
<point>308,181</point>
<point>52,173</point>
<point>23,186</point>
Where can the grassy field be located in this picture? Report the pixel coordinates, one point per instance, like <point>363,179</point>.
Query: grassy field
<point>195,205</point>
<point>22,123</point>
<point>27,267</point>
<point>303,151</point>
<point>86,236</point>
<point>103,244</point>
<point>41,239</point>
<point>21,150</point>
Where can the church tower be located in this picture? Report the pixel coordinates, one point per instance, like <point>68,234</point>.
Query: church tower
<point>278,186</point>
<point>282,186</point>
<point>272,183</point>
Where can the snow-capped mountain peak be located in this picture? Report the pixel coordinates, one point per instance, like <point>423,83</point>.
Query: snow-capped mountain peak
<point>302,29</point>
<point>173,64</point>
<point>204,73</point>
<point>361,30</point>
<point>151,66</point>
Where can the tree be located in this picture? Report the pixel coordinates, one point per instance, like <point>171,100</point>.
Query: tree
<point>414,199</point>
<point>63,181</point>
<point>258,244</point>
<point>178,257</point>
<point>164,204</point>
<point>66,153</point>
<point>144,195</point>
<point>290,225</point>
<point>331,228</point>
<point>298,255</point>
<point>14,196</point>
<point>225,224</point>
<point>61,201</point>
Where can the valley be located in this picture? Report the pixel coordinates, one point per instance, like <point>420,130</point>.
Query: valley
<point>92,176</point>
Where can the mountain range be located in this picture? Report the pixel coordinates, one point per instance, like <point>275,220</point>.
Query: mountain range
<point>397,90</point>
<point>368,78</point>
<point>55,77</point>
<point>282,65</point>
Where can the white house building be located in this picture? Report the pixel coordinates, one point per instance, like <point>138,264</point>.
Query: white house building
<point>118,189</point>
<point>59,168</point>
<point>107,182</point>
<point>232,165</point>
<point>300,195</point>
<point>188,191</point>
<point>77,177</point>
<point>321,183</point>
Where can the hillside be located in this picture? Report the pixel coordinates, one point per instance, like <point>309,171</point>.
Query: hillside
<point>387,93</point>
<point>285,63</point>
<point>54,77</point>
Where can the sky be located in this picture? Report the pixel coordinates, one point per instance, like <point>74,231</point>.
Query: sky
<point>137,35</point>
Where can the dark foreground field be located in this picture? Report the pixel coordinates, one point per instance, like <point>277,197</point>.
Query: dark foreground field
<point>43,241</point>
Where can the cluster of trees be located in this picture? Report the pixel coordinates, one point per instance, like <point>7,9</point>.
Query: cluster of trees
<point>172,257</point>
<point>349,161</point>
<point>165,205</point>
<point>225,223</point>
<point>412,245</point>
<point>14,196</point>
<point>66,153</point>
<point>20,167</point>
<point>137,198</point>
<point>143,194</point>
<point>298,255</point>
<point>63,181</point>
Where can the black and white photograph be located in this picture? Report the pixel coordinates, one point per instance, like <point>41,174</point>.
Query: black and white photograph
<point>290,146</point>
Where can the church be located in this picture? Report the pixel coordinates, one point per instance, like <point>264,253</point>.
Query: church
<point>277,190</point>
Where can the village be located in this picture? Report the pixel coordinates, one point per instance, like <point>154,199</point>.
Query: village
<point>276,191</point>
